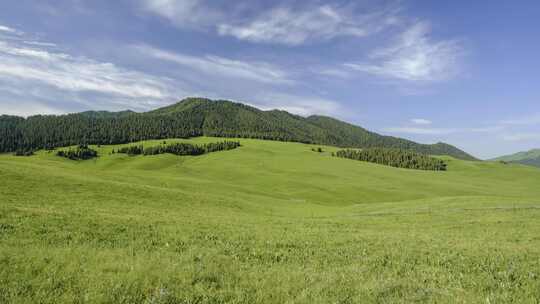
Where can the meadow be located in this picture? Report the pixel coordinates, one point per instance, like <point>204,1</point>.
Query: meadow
<point>269,222</point>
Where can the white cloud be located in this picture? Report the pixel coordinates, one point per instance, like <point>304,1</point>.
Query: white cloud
<point>26,108</point>
<point>7,29</point>
<point>487,129</point>
<point>530,120</point>
<point>10,33</point>
<point>76,74</point>
<point>441,131</point>
<point>26,68</point>
<point>522,137</point>
<point>421,121</point>
<point>212,65</point>
<point>423,131</point>
<point>521,129</point>
<point>414,57</point>
<point>296,104</point>
<point>35,78</point>
<point>38,43</point>
<point>183,13</point>
<point>285,25</point>
<point>332,72</point>
<point>282,25</point>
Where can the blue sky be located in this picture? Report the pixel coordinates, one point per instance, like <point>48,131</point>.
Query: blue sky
<point>462,72</point>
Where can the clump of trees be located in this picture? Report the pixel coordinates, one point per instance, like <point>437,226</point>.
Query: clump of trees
<point>221,146</point>
<point>82,152</point>
<point>22,152</point>
<point>176,149</point>
<point>318,150</point>
<point>180,148</point>
<point>131,150</point>
<point>395,158</point>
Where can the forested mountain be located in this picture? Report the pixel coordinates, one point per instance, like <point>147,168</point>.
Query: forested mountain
<point>352,135</point>
<point>196,117</point>
<point>530,158</point>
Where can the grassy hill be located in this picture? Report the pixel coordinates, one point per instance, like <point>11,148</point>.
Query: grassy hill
<point>194,117</point>
<point>269,222</point>
<point>530,158</point>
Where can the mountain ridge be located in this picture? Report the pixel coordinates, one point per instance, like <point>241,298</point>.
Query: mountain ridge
<point>193,117</point>
<point>530,158</point>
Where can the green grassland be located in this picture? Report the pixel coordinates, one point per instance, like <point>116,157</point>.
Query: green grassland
<point>269,222</point>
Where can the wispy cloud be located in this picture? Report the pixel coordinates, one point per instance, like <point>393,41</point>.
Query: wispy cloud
<point>332,72</point>
<point>421,121</point>
<point>522,129</point>
<point>7,32</point>
<point>27,67</point>
<point>37,78</point>
<point>212,65</point>
<point>260,84</point>
<point>422,131</point>
<point>415,57</point>
<point>183,13</point>
<point>7,29</point>
<point>285,25</point>
<point>529,120</point>
<point>70,73</point>
<point>297,104</point>
<point>26,108</point>
<point>522,137</point>
<point>441,131</point>
<point>40,43</point>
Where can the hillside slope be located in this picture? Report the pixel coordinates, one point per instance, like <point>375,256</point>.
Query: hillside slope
<point>269,222</point>
<point>197,117</point>
<point>530,158</point>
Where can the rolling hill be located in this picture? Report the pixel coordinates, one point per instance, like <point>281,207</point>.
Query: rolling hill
<point>268,222</point>
<point>530,158</point>
<point>194,117</point>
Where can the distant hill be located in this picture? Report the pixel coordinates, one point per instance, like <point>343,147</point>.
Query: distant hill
<point>194,117</point>
<point>531,158</point>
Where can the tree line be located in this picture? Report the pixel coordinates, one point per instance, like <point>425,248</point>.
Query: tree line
<point>179,148</point>
<point>81,152</point>
<point>51,131</point>
<point>395,158</point>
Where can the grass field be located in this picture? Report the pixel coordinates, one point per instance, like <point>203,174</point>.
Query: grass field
<point>269,222</point>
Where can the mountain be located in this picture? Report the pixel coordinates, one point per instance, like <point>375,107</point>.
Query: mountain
<point>194,117</point>
<point>354,135</point>
<point>531,158</point>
